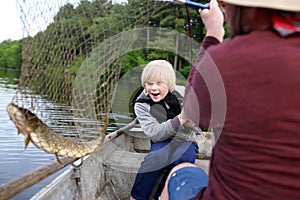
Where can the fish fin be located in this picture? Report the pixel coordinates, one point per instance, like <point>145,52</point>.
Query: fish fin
<point>57,158</point>
<point>26,141</point>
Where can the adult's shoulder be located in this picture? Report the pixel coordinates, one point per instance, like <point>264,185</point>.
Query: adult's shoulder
<point>209,41</point>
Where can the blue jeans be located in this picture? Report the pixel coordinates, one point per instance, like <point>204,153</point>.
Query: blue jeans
<point>162,158</point>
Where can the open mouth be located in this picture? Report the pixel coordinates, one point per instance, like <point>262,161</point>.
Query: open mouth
<point>155,94</point>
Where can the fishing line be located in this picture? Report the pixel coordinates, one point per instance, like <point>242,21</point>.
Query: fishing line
<point>188,4</point>
<point>190,33</point>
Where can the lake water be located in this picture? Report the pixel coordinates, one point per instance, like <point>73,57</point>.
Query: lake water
<point>15,161</point>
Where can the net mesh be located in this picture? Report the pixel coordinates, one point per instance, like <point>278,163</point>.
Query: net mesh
<point>72,58</point>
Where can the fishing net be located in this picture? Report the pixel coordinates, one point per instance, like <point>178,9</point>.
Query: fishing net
<point>81,60</point>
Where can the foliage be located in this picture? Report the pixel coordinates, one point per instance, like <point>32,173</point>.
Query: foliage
<point>11,54</point>
<point>76,31</point>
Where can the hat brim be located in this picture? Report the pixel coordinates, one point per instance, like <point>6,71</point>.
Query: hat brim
<point>287,5</point>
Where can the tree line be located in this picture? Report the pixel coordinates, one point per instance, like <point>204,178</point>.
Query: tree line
<point>11,54</point>
<point>75,31</point>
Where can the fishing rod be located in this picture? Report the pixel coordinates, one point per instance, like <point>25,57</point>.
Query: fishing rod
<point>187,4</point>
<point>190,4</point>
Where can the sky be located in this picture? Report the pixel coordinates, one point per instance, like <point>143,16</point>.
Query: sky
<point>10,26</point>
<point>39,13</point>
<point>10,23</point>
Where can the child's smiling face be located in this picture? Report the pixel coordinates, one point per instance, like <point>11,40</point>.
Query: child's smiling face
<point>156,90</point>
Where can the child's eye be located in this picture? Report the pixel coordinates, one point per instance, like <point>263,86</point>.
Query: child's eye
<point>148,83</point>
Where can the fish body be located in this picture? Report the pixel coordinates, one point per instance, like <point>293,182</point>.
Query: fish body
<point>37,132</point>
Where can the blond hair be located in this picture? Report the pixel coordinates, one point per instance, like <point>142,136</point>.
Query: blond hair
<point>159,71</point>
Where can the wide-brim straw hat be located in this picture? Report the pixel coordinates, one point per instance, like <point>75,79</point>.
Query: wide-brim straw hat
<point>287,5</point>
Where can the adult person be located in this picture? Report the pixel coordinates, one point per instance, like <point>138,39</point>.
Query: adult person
<point>254,75</point>
<point>158,111</point>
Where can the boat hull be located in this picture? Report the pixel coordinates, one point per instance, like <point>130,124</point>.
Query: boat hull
<point>108,174</point>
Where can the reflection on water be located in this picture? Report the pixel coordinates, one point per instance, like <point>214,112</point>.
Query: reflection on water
<point>15,161</point>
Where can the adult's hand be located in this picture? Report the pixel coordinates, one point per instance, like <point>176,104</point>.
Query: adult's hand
<point>213,19</point>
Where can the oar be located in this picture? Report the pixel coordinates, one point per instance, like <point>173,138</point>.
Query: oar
<point>120,131</point>
<point>22,183</point>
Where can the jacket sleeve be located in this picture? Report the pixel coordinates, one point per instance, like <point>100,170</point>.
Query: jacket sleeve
<point>197,100</point>
<point>152,128</point>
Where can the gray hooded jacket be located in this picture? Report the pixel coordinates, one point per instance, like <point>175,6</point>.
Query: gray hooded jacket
<point>164,129</point>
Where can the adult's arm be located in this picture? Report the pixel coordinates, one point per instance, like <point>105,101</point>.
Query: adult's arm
<point>196,93</point>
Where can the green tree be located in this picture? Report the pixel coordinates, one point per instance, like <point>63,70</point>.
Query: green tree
<point>10,54</point>
<point>59,51</point>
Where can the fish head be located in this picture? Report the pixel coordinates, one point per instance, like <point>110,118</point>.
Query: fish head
<point>24,120</point>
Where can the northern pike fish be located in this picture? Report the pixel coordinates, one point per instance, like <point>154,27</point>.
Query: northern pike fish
<point>37,132</point>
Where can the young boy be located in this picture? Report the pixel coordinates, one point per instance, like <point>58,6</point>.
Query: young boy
<point>159,113</point>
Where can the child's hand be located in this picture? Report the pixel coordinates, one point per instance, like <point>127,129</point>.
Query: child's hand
<point>181,117</point>
<point>189,123</point>
<point>184,121</point>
